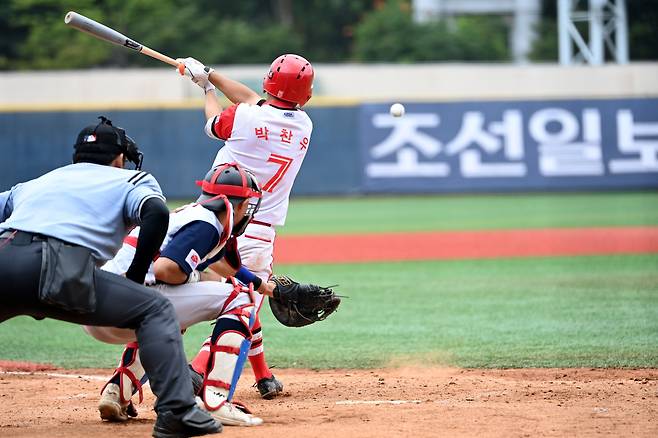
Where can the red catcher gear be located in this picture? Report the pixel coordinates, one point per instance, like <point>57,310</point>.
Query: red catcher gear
<point>290,78</point>
<point>229,182</point>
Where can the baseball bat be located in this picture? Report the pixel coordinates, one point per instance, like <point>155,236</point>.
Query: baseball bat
<point>243,354</point>
<point>110,35</point>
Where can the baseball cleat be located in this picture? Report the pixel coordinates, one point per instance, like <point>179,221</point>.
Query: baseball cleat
<point>193,422</point>
<point>110,406</point>
<point>232,413</point>
<point>269,387</point>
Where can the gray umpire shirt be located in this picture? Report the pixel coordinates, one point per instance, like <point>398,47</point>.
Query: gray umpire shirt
<point>85,204</point>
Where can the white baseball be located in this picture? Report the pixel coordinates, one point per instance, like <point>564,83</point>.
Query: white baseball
<point>397,110</point>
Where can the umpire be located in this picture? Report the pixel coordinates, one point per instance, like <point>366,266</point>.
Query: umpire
<point>56,231</point>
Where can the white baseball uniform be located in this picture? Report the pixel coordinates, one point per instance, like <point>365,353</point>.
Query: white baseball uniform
<point>195,238</point>
<point>271,142</point>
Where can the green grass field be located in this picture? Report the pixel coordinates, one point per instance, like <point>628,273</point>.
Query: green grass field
<point>476,212</point>
<point>595,311</point>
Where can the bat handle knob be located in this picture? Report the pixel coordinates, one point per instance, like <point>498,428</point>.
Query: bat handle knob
<point>181,69</point>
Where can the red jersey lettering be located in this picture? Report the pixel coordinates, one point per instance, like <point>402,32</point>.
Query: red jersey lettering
<point>262,133</point>
<point>284,165</point>
<point>286,136</point>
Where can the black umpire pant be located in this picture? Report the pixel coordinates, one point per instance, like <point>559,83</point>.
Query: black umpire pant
<point>119,303</point>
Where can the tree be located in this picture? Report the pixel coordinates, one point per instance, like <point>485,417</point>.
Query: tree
<point>389,34</point>
<point>255,31</point>
<point>178,28</point>
<point>39,38</point>
<point>643,29</point>
<point>326,27</point>
<point>237,41</point>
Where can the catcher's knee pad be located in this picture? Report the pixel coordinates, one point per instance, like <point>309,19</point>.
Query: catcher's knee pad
<point>130,374</point>
<point>223,367</point>
<point>233,321</point>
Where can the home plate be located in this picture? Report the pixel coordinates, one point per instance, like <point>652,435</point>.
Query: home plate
<point>376,402</point>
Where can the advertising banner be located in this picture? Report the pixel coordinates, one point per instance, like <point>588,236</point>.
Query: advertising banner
<point>510,146</point>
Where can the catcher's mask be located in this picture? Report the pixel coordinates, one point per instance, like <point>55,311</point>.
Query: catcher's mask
<point>104,141</point>
<point>230,181</point>
<point>290,78</point>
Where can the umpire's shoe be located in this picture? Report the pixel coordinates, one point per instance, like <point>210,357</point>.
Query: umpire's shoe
<point>193,422</point>
<point>269,387</point>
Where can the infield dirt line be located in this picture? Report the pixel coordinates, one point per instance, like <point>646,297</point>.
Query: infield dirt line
<point>54,375</point>
<point>460,245</point>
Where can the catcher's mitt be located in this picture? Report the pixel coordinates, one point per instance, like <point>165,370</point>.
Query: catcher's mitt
<point>299,304</point>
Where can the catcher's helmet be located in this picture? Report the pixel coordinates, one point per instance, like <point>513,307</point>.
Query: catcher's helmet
<point>290,78</point>
<point>103,142</point>
<point>231,182</point>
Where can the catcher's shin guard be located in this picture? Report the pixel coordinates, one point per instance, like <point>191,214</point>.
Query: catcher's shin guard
<point>115,403</point>
<point>200,361</point>
<point>223,370</point>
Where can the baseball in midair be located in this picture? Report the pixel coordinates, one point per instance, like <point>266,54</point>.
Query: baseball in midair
<point>397,110</point>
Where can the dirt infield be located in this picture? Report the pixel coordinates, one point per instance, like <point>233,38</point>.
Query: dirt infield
<point>454,245</point>
<point>412,402</point>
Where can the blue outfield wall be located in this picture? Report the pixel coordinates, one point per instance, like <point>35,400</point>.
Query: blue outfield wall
<point>176,150</point>
<point>435,147</point>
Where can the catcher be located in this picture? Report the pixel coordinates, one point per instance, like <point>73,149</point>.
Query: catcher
<point>198,234</point>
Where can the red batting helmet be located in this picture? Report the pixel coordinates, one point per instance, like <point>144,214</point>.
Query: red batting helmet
<point>290,78</point>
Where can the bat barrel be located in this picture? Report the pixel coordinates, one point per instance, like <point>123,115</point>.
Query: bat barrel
<point>99,30</point>
<point>68,17</point>
<point>108,34</point>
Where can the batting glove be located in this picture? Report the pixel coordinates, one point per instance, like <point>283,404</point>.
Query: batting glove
<point>198,73</point>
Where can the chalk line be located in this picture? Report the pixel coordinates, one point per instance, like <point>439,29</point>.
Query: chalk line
<point>65,376</point>
<point>377,402</point>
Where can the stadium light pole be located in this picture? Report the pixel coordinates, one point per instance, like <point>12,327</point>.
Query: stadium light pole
<point>605,19</point>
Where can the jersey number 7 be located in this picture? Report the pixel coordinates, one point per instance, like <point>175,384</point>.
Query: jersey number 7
<point>284,164</point>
